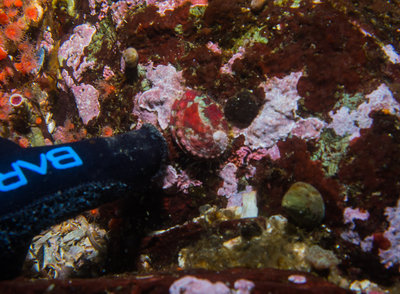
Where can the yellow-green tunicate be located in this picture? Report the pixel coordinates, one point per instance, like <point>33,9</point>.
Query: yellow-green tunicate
<point>68,5</point>
<point>304,204</point>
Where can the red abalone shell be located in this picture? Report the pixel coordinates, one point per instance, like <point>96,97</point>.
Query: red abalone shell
<point>198,125</point>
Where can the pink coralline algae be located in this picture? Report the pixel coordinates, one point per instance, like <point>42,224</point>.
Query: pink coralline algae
<point>120,9</point>
<point>391,54</point>
<point>391,256</point>
<point>165,5</point>
<point>71,50</point>
<point>347,122</point>
<point>198,125</point>
<point>193,285</point>
<point>214,47</point>
<point>297,279</point>
<point>230,184</point>
<point>277,119</point>
<point>245,154</point>
<point>181,180</point>
<point>244,202</point>
<point>308,128</point>
<point>273,153</point>
<point>243,286</point>
<point>350,235</point>
<point>72,53</point>
<point>87,101</point>
<point>227,67</point>
<point>351,214</point>
<point>154,105</point>
<point>108,73</point>
<point>102,7</point>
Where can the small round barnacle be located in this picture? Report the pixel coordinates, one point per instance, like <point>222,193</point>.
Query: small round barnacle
<point>304,204</point>
<point>131,57</point>
<point>241,109</point>
<point>257,5</point>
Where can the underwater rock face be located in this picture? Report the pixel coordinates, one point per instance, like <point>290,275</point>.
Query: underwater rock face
<point>304,204</point>
<point>325,78</point>
<point>198,125</point>
<point>239,280</point>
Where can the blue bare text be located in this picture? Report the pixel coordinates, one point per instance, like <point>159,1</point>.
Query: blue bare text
<point>60,158</point>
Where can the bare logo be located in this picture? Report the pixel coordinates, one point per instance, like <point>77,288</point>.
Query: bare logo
<point>60,158</point>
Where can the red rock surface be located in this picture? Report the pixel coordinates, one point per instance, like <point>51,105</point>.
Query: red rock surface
<point>271,281</point>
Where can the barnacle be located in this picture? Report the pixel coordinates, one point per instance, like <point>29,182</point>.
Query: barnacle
<point>304,204</point>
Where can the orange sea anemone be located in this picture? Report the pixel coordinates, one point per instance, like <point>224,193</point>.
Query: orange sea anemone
<point>18,3</point>
<point>8,3</point>
<point>107,131</point>
<point>14,32</point>
<point>4,19</point>
<point>32,13</point>
<point>28,60</point>
<point>12,12</point>
<point>5,107</point>
<point>3,76</point>
<point>106,88</point>
<point>3,53</point>
<point>6,73</point>
<point>23,142</point>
